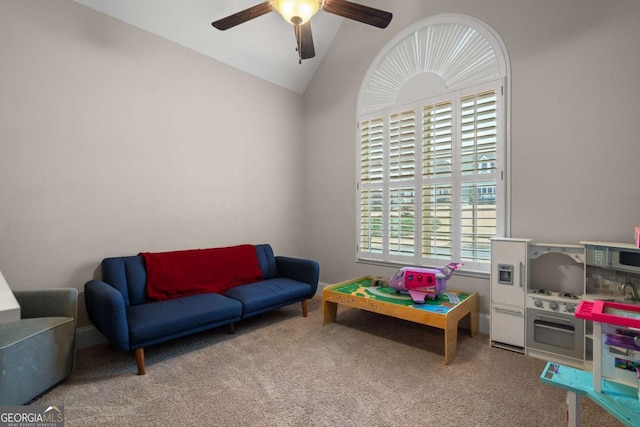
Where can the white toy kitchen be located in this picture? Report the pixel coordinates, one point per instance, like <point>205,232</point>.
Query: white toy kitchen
<point>535,289</point>
<point>542,297</point>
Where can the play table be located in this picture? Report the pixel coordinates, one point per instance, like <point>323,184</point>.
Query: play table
<point>444,312</point>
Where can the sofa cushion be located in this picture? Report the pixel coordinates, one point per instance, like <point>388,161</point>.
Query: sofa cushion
<point>155,321</point>
<point>128,276</point>
<point>267,261</point>
<point>190,272</point>
<point>263,296</point>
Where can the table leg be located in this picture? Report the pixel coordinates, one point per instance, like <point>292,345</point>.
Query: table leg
<point>450,341</point>
<point>330,311</point>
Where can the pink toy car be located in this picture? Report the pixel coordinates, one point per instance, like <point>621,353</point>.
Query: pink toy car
<point>421,283</point>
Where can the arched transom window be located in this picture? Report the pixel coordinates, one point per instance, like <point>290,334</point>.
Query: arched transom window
<point>432,141</point>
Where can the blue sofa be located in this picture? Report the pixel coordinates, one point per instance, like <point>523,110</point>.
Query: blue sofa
<point>119,308</point>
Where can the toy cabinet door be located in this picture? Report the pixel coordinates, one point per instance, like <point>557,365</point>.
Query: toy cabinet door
<point>509,271</point>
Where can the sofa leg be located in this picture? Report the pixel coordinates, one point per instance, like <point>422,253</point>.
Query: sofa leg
<point>232,328</point>
<point>304,308</point>
<point>140,360</point>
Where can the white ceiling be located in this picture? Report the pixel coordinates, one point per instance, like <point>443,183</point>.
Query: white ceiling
<point>264,47</point>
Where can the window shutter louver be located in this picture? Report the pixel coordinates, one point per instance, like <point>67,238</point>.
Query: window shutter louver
<point>402,166</point>
<point>371,150</point>
<point>437,217</point>
<point>437,198</point>
<point>479,133</point>
<point>402,221</point>
<point>371,177</point>
<point>437,139</point>
<point>371,221</point>
<point>402,146</point>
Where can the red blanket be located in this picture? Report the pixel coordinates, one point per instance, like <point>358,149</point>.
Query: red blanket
<point>190,272</point>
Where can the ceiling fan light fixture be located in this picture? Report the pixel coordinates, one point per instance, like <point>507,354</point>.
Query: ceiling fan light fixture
<point>297,12</point>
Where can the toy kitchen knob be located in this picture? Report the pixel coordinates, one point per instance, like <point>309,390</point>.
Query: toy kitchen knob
<point>553,305</point>
<point>538,303</point>
<point>570,308</point>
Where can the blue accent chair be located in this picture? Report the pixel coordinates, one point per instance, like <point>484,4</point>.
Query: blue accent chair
<point>37,351</point>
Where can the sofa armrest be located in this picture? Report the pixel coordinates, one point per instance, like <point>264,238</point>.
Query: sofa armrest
<point>302,270</point>
<point>108,313</point>
<point>54,302</point>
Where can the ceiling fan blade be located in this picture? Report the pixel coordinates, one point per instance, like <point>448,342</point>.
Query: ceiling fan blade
<point>305,41</point>
<point>243,16</point>
<point>365,14</point>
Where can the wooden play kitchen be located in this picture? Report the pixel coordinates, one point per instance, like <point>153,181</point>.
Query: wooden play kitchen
<point>445,312</point>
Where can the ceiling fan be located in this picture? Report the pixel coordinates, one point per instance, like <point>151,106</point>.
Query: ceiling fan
<point>299,12</point>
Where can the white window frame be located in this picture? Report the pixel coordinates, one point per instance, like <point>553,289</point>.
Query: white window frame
<point>382,106</point>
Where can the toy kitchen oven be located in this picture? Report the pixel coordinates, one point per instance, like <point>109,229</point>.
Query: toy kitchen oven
<point>550,281</point>
<point>552,326</point>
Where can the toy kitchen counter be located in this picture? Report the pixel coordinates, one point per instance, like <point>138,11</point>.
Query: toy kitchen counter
<point>443,312</point>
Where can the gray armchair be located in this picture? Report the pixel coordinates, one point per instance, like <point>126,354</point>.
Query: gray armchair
<point>37,351</point>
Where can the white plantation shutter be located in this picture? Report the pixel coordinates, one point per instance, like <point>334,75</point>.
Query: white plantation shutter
<point>428,180</point>
<point>437,221</point>
<point>478,139</point>
<point>371,150</point>
<point>402,221</point>
<point>371,180</point>
<point>437,172</point>
<point>371,220</point>
<point>437,139</point>
<point>402,167</point>
<point>433,176</point>
<point>479,133</point>
<point>402,146</point>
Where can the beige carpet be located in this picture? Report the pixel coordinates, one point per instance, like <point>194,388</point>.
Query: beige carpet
<point>281,369</point>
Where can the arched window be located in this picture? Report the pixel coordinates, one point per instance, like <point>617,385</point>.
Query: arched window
<point>432,146</point>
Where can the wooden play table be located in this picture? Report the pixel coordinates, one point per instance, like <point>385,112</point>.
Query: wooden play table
<point>444,313</point>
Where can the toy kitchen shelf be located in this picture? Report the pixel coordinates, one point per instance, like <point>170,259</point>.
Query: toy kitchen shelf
<point>613,384</point>
<point>576,252</point>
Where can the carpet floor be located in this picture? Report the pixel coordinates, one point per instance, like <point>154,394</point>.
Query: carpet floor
<point>281,369</point>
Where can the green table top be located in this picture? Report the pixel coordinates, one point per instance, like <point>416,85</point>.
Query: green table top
<point>365,289</point>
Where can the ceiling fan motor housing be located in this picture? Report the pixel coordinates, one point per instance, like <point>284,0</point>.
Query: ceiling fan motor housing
<point>297,12</point>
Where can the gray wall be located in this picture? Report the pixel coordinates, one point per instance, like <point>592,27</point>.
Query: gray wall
<point>114,141</point>
<point>575,143</point>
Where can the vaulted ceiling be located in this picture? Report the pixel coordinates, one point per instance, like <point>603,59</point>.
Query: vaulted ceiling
<point>264,47</point>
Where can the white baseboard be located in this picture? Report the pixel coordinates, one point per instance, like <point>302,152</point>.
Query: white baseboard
<point>485,323</point>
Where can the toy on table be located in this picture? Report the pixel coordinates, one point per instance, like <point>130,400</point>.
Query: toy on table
<point>421,283</point>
